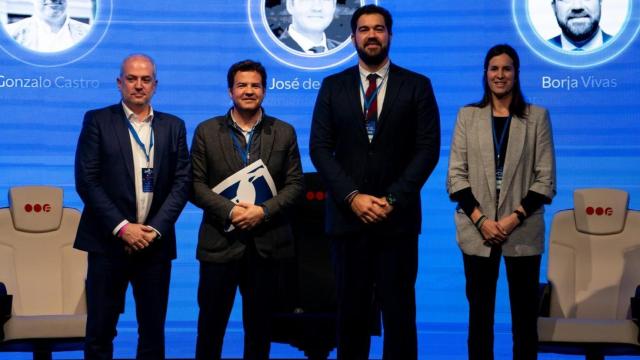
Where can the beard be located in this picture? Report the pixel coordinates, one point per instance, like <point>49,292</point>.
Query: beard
<point>579,34</point>
<point>375,58</point>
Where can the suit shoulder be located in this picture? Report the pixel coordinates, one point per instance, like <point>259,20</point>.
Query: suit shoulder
<point>104,112</point>
<point>210,123</point>
<point>339,76</point>
<point>168,117</point>
<point>282,125</point>
<point>536,111</point>
<point>409,74</point>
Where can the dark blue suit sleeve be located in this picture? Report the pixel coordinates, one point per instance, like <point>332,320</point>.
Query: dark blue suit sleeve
<point>322,146</point>
<point>427,145</point>
<point>88,174</point>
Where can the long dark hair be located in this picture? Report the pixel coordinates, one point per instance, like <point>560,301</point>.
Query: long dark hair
<point>518,106</point>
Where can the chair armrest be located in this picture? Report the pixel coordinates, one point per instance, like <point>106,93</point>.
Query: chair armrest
<point>544,299</point>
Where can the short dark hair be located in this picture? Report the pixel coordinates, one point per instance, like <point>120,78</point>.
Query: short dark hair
<point>368,10</point>
<point>518,104</point>
<point>246,65</point>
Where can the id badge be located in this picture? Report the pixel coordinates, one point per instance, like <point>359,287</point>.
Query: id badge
<point>147,180</point>
<point>371,129</point>
<point>499,174</point>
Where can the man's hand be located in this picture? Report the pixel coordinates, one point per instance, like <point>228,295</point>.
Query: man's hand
<point>370,209</point>
<point>138,236</point>
<point>246,216</point>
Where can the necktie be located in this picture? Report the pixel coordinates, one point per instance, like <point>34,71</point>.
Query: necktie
<point>371,105</point>
<point>317,49</point>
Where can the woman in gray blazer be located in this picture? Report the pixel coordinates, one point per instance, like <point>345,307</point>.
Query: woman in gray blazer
<point>501,173</point>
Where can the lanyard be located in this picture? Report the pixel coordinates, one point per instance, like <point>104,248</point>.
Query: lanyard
<point>367,101</point>
<point>505,128</point>
<point>140,143</point>
<point>245,153</point>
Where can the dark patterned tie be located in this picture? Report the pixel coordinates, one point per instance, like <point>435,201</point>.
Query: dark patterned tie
<point>371,105</point>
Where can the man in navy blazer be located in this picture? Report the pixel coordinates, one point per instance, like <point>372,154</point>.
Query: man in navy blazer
<point>133,174</point>
<point>375,148</point>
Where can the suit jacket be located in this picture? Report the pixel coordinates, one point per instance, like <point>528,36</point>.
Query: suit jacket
<point>214,159</point>
<point>104,175</point>
<point>404,151</point>
<point>557,40</point>
<point>286,39</point>
<point>529,165</point>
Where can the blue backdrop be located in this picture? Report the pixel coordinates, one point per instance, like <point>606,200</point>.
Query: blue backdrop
<point>593,98</point>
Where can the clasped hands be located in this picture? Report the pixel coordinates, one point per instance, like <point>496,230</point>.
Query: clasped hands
<point>370,209</point>
<point>246,216</point>
<point>497,232</point>
<point>138,237</point>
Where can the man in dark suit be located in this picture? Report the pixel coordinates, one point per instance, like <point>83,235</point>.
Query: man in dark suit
<point>375,148</point>
<point>245,256</point>
<point>579,21</point>
<point>133,174</point>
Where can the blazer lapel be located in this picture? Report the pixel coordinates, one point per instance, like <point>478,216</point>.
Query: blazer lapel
<point>226,145</point>
<point>517,133</point>
<point>267,137</point>
<point>394,82</point>
<point>121,130</point>
<point>485,138</point>
<point>159,135</point>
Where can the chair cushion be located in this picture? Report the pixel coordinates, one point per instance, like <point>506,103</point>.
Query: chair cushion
<point>36,209</point>
<point>45,326</point>
<point>600,211</point>
<point>587,330</point>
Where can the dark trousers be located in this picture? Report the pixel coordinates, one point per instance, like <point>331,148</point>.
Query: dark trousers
<point>107,281</point>
<point>385,265</point>
<point>523,273</point>
<point>257,279</point>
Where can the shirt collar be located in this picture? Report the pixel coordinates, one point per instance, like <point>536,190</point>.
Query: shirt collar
<point>382,72</point>
<point>232,122</point>
<point>595,43</point>
<point>305,43</point>
<point>131,116</point>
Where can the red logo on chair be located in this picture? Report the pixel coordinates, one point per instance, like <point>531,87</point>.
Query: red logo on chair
<point>599,211</point>
<point>37,208</point>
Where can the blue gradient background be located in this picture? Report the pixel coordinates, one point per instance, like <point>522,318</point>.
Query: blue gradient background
<point>596,132</point>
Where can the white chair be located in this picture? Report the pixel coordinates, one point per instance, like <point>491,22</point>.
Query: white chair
<point>593,271</point>
<point>43,272</point>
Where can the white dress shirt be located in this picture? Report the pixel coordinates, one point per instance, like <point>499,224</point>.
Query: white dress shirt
<point>145,131</point>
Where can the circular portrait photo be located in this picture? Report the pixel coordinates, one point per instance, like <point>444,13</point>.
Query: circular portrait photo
<point>47,26</point>
<point>311,27</point>
<point>578,26</point>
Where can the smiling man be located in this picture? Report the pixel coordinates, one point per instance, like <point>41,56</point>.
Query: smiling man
<point>309,20</point>
<point>579,21</point>
<point>244,257</point>
<point>50,29</point>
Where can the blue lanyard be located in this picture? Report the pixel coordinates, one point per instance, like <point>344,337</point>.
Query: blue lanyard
<point>140,143</point>
<point>245,153</point>
<point>505,128</point>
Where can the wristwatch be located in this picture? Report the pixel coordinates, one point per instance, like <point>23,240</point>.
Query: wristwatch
<point>391,199</point>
